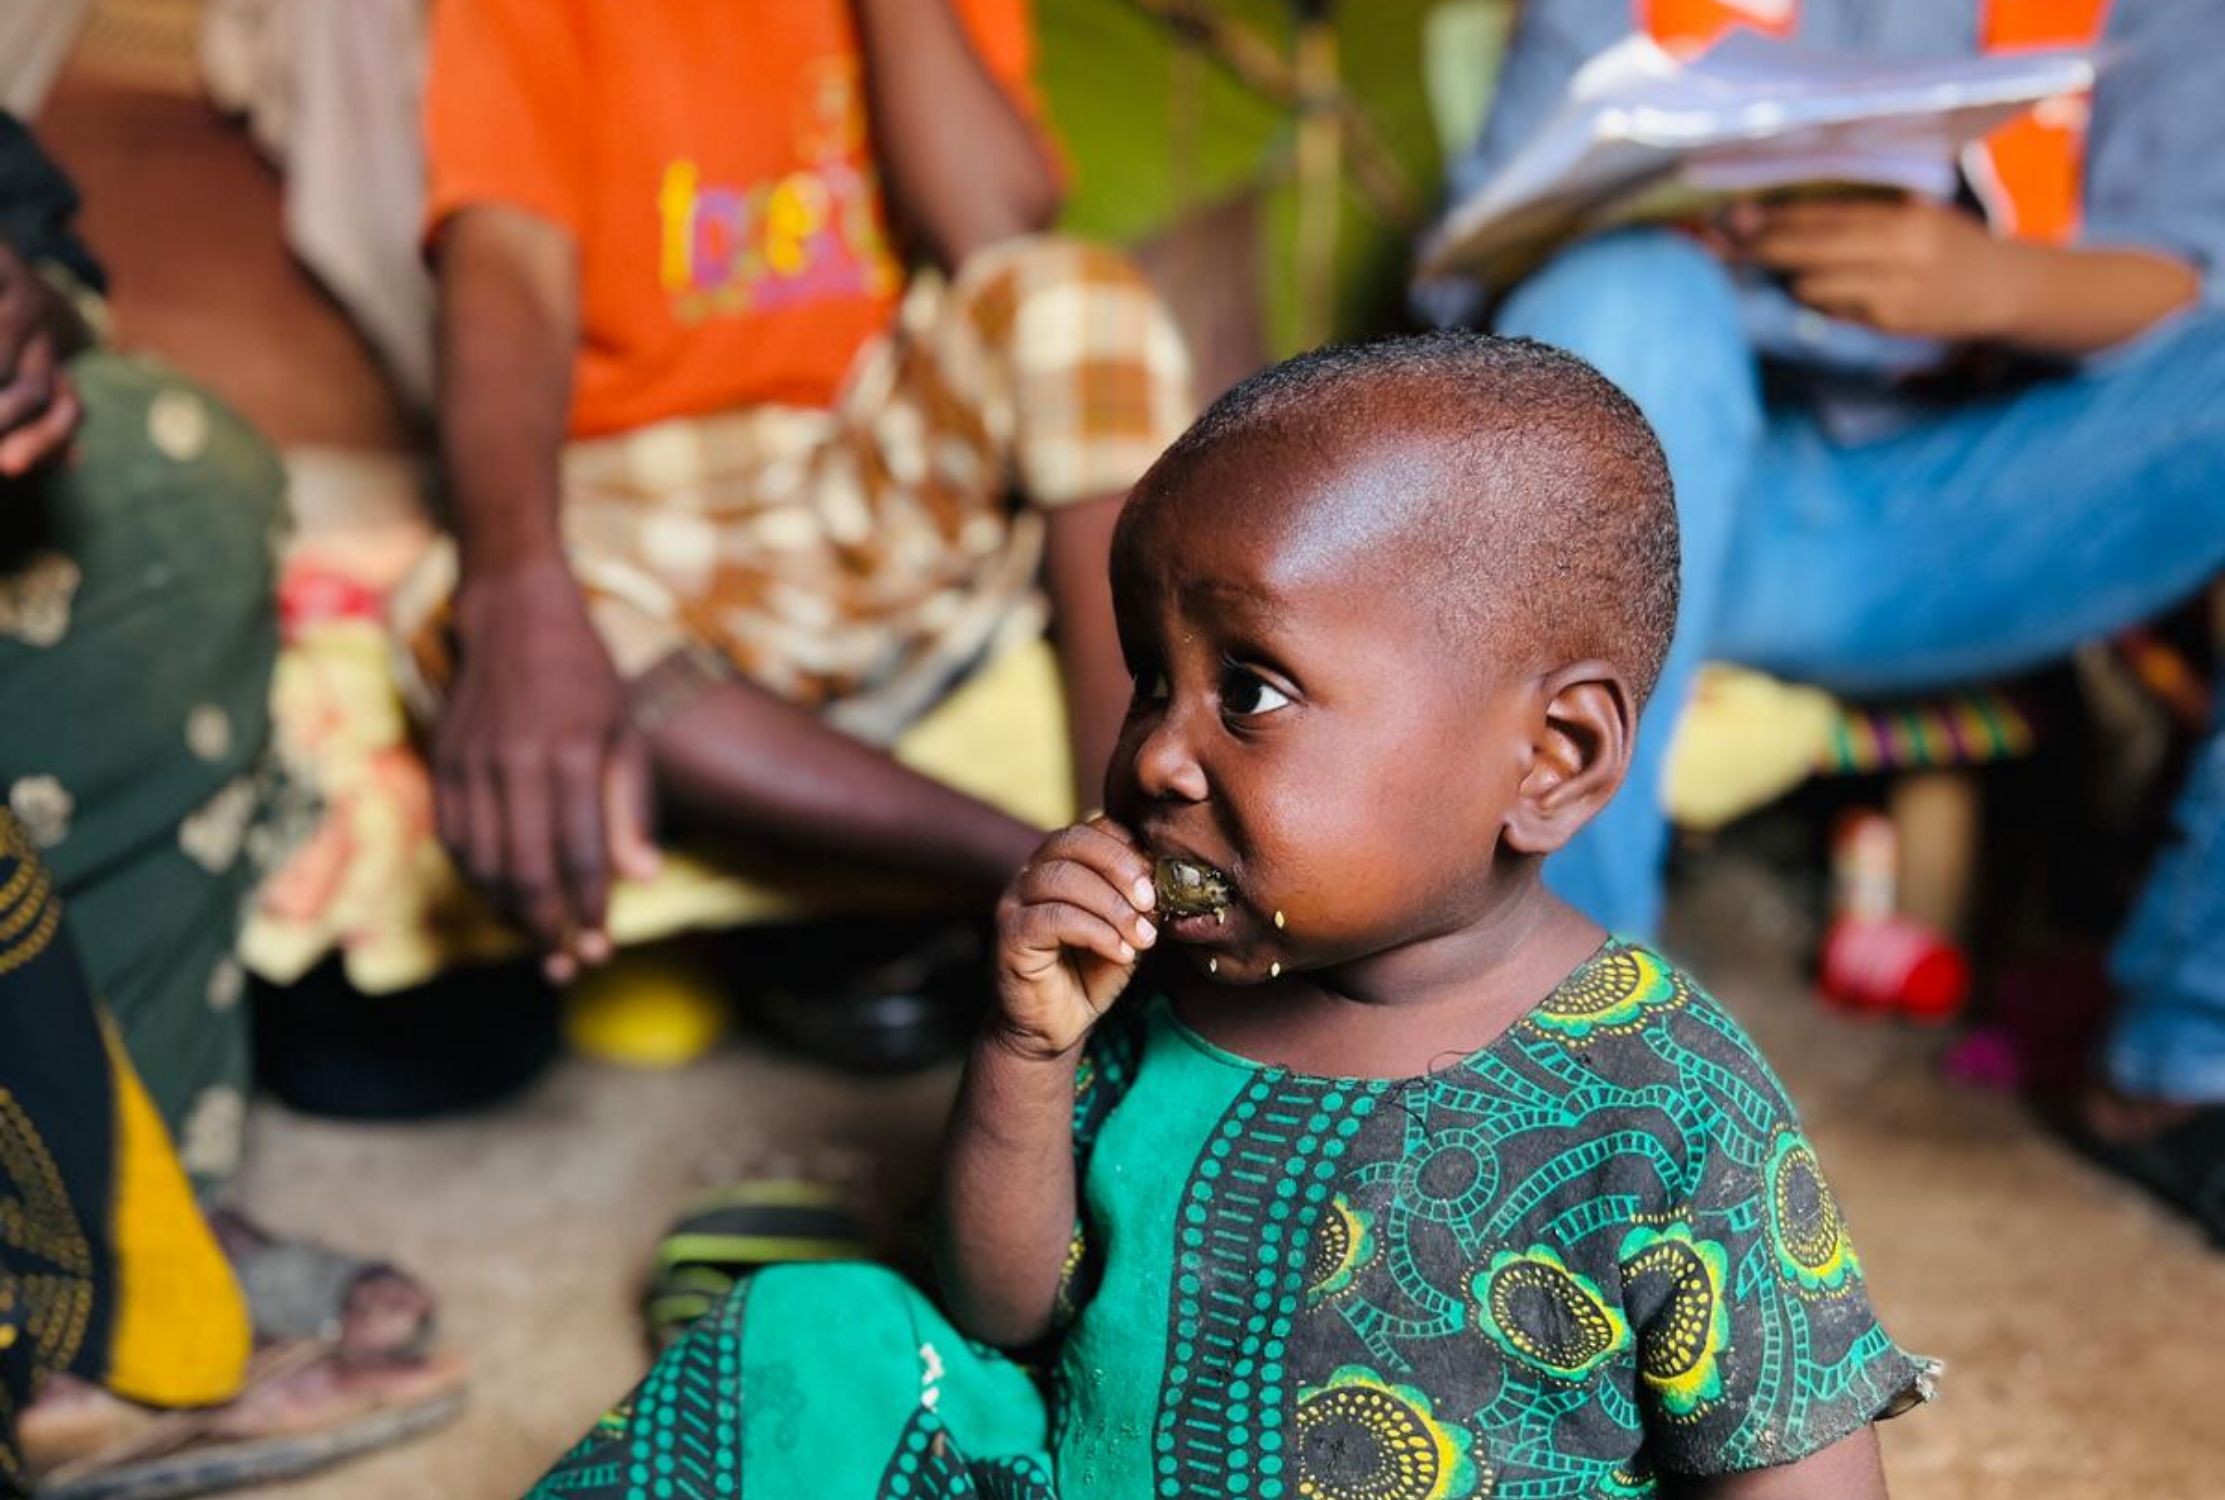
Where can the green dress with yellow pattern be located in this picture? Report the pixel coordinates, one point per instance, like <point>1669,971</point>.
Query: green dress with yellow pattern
<point>1596,1251</point>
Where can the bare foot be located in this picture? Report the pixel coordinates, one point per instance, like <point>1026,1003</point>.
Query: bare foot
<point>385,1316</point>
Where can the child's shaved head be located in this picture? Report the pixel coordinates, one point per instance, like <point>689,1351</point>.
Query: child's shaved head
<point>1526,496</point>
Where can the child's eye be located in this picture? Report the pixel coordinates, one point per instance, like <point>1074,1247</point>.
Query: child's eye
<point>1151,686</point>
<point>1248,695</point>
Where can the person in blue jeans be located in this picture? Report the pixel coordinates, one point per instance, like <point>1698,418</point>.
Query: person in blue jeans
<point>1849,526</point>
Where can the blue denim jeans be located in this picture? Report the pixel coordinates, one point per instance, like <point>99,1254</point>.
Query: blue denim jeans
<point>1982,540</point>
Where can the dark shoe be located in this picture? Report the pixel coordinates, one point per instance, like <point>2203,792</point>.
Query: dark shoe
<point>876,999</point>
<point>726,1235</point>
<point>2182,1164</point>
<point>469,1039</point>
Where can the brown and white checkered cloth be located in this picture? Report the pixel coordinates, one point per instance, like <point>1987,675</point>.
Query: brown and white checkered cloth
<point>860,559</point>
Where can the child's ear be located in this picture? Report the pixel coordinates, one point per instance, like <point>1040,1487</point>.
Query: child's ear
<point>1579,754</point>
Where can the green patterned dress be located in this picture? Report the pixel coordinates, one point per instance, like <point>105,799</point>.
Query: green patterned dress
<point>1597,1250</point>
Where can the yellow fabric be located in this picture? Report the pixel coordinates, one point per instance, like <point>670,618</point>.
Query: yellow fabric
<point>182,1332</point>
<point>373,883</point>
<point>1744,741</point>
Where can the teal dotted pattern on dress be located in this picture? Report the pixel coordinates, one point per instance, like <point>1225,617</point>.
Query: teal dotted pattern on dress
<point>928,1466</point>
<point>1245,1235</point>
<point>678,1437</point>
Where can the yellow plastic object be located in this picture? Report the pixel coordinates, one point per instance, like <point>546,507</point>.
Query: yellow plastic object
<point>1744,741</point>
<point>645,1011</point>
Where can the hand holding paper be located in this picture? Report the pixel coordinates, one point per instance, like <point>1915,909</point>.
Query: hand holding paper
<point>1907,266</point>
<point>1645,137</point>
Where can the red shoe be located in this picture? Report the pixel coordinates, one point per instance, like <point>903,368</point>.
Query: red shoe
<point>1893,965</point>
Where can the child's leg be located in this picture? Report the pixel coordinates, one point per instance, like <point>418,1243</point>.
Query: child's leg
<point>820,1380</point>
<point>1655,313</point>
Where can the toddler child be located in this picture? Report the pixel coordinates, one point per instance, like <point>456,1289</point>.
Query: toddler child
<point>1389,1176</point>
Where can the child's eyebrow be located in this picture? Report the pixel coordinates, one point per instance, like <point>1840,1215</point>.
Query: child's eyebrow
<point>1248,600</point>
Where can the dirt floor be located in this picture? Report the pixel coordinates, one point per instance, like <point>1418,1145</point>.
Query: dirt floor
<point>2081,1329</point>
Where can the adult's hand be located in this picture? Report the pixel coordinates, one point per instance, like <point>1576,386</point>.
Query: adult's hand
<point>38,410</point>
<point>1911,266</point>
<point>543,786</point>
<point>1905,266</point>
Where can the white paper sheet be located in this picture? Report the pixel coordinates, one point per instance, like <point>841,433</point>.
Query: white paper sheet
<point>1750,115</point>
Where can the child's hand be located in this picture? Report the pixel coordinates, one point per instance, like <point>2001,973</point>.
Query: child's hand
<point>1069,930</point>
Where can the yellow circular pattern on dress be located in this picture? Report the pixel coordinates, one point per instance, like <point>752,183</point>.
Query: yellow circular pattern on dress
<point>44,1230</point>
<point>1361,1437</point>
<point>1616,994</point>
<point>1676,1344</point>
<point>1332,1246</point>
<point>1805,1225</point>
<point>1680,1348</point>
<point>1382,1448</point>
<point>1343,1243</point>
<point>1580,1332</point>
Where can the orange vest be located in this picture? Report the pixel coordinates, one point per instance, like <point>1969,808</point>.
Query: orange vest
<point>2029,172</point>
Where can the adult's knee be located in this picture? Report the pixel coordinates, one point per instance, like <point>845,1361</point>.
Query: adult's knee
<point>173,508</point>
<point>2183,372</point>
<point>159,456</point>
<point>1639,279</point>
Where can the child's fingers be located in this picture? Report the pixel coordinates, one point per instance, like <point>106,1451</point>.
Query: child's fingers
<point>1116,861</point>
<point>1072,883</point>
<point>1049,929</point>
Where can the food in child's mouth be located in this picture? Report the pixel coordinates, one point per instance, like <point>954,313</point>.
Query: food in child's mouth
<point>1189,889</point>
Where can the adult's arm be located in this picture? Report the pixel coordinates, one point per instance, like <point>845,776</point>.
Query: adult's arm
<point>962,166</point>
<point>2151,244</point>
<point>2154,233</point>
<point>1930,270</point>
<point>508,327</point>
<point>542,784</point>
<point>2074,300</point>
<point>1078,574</point>
<point>2155,182</point>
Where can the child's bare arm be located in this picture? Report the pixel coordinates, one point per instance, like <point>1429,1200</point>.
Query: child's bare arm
<point>1008,1194</point>
<point>1068,934</point>
<point>1847,1470</point>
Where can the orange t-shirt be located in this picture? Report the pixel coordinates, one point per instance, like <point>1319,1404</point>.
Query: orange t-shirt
<point>711,160</point>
